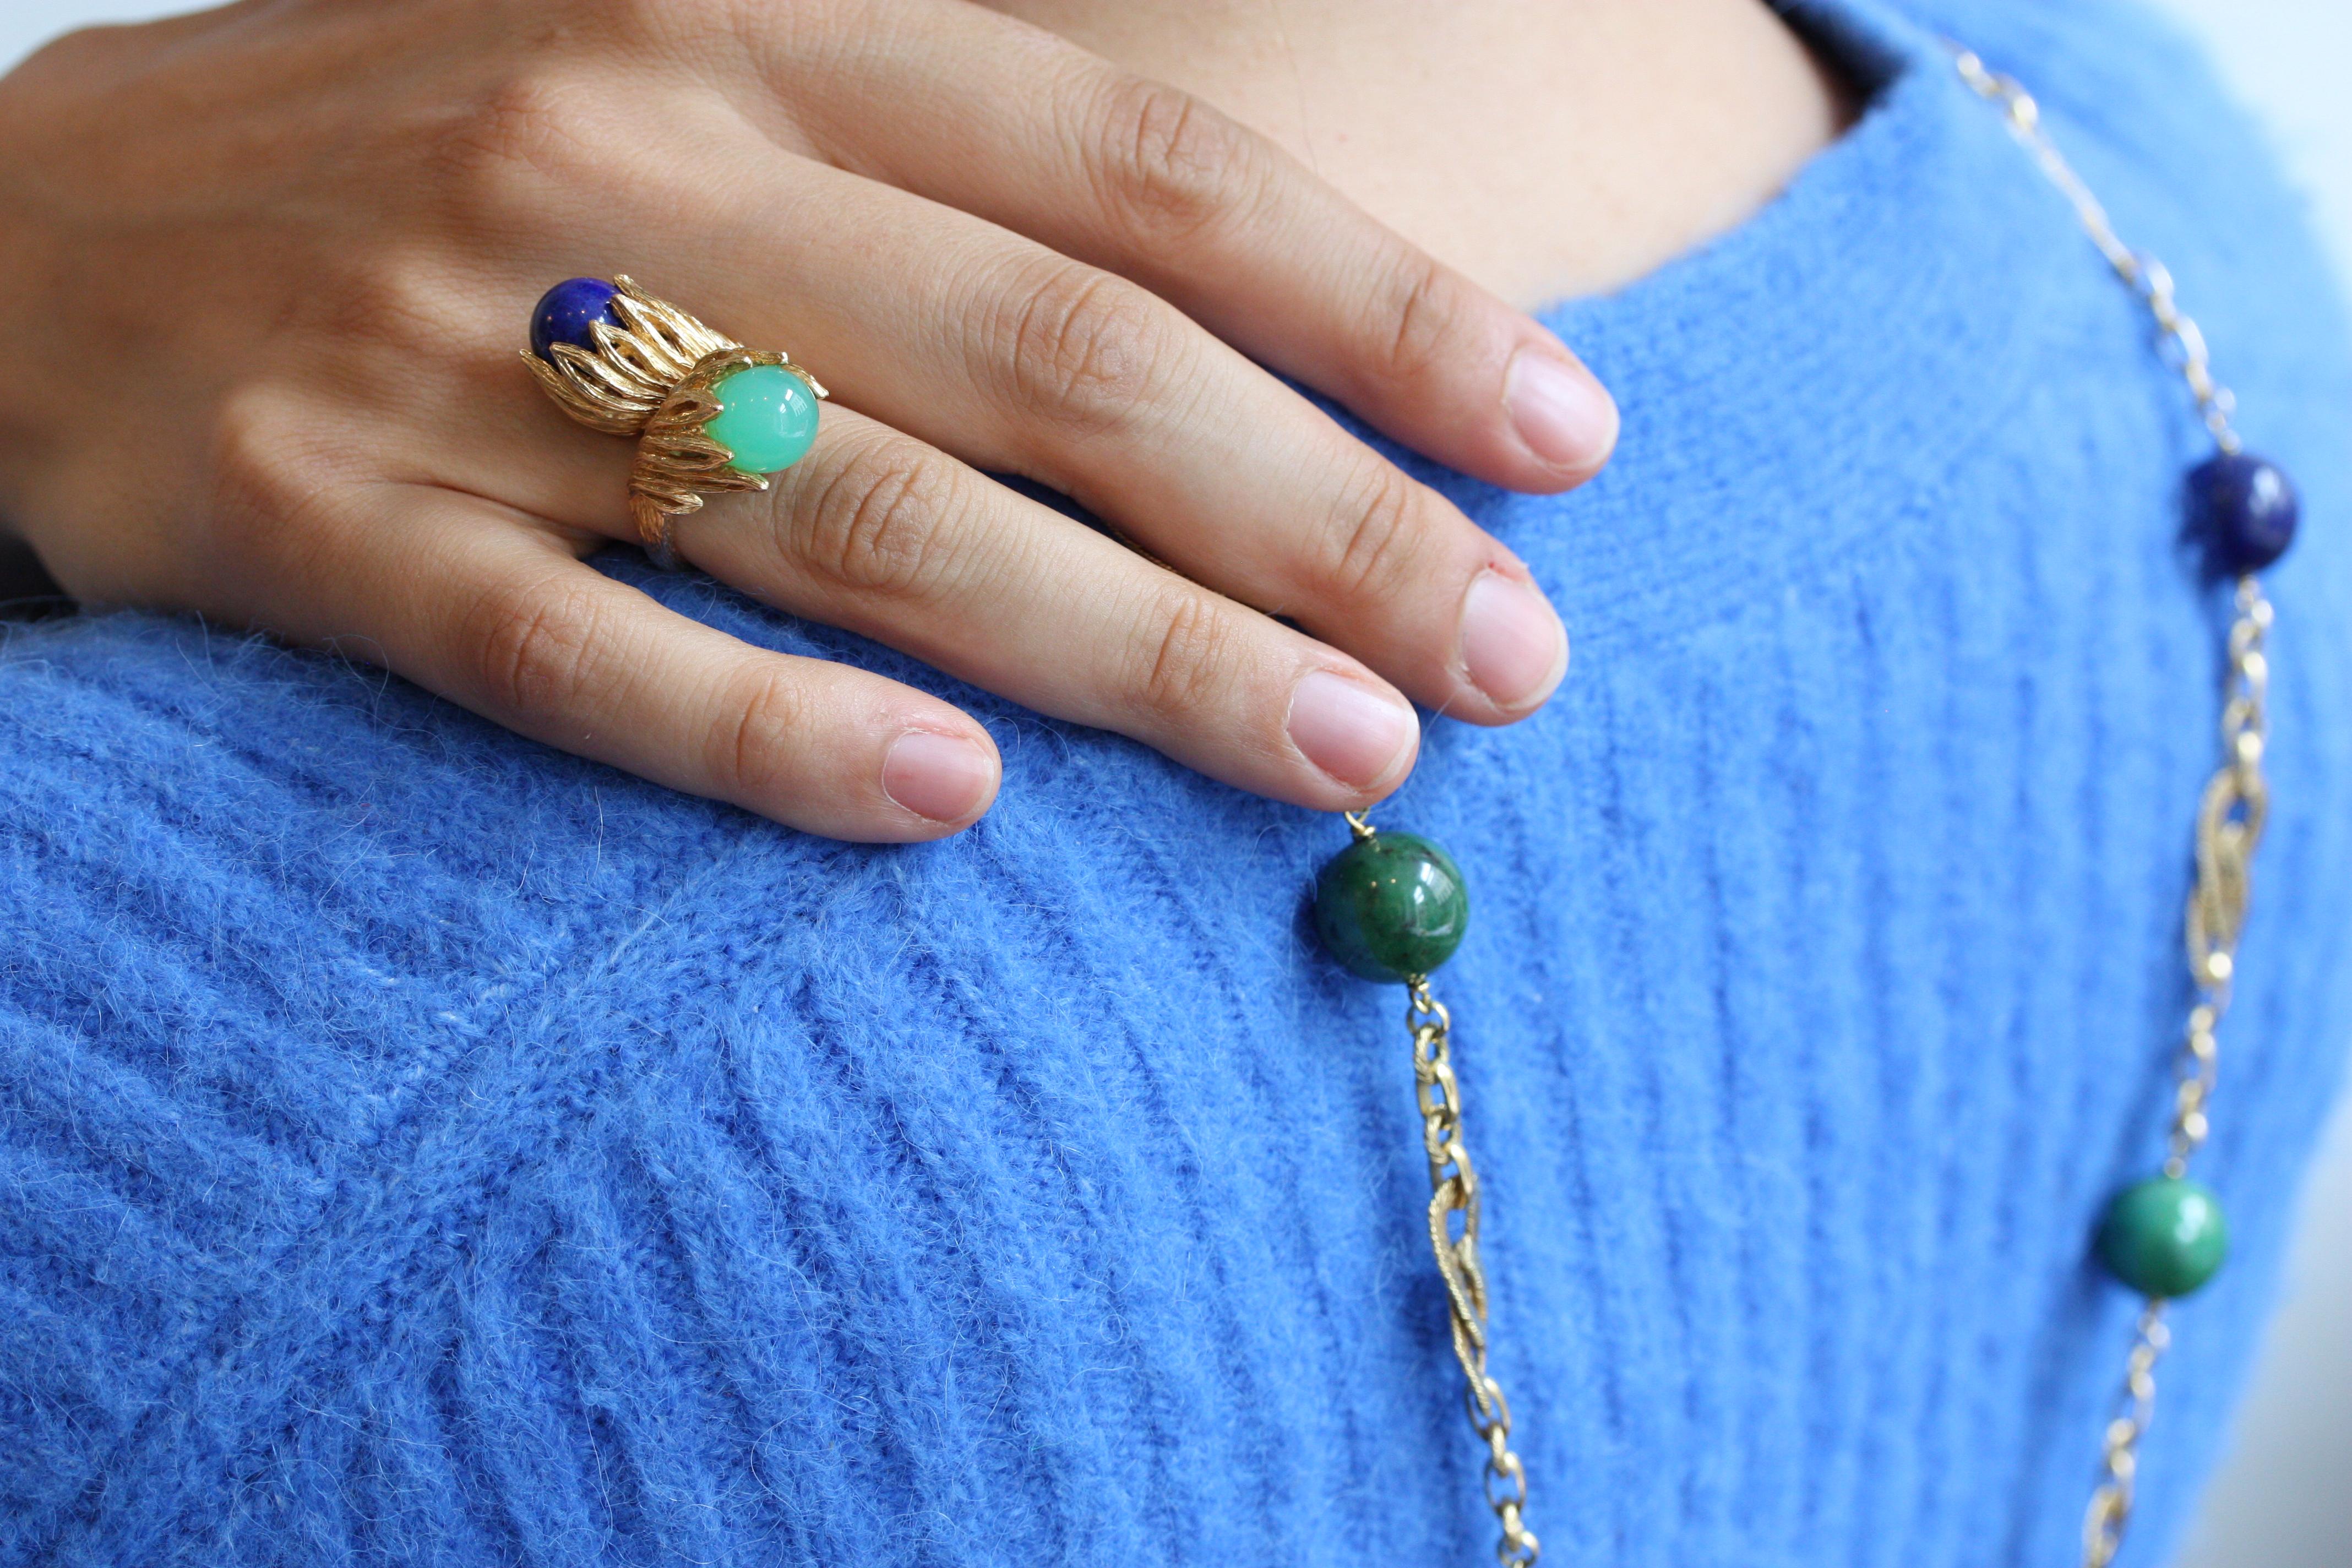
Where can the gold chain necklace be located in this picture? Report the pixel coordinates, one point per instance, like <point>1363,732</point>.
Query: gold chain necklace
<point>1394,907</point>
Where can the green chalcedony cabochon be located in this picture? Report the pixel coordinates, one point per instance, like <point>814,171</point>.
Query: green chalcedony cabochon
<point>767,418</point>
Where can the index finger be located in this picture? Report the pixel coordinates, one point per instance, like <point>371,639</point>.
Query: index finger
<point>1007,123</point>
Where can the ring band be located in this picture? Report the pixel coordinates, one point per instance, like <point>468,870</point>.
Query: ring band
<point>710,415</point>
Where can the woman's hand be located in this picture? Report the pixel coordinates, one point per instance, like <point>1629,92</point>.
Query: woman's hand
<point>269,268</point>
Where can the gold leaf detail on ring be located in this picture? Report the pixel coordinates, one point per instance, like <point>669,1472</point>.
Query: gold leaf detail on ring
<point>623,381</point>
<point>677,462</point>
<point>654,377</point>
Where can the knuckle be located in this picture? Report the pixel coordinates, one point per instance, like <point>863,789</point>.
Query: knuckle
<point>642,19</point>
<point>1377,529</point>
<point>268,475</point>
<point>1188,650</point>
<point>532,642</point>
<point>501,147</point>
<point>255,460</point>
<point>875,523</point>
<point>1171,166</point>
<point>754,754</point>
<point>685,21</point>
<point>1420,310</point>
<point>393,302</point>
<point>82,49</point>
<point>1082,348</point>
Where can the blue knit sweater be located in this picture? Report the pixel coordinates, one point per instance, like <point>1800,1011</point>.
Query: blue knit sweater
<point>419,1147</point>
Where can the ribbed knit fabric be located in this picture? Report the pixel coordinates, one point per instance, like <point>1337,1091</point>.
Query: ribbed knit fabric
<point>419,1147</point>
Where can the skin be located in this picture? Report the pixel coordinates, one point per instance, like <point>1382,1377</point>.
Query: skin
<point>272,265</point>
<point>1543,149</point>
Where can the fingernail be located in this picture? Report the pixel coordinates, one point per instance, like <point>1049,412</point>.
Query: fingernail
<point>1360,736</point>
<point>1564,416</point>
<point>943,777</point>
<point>1513,645</point>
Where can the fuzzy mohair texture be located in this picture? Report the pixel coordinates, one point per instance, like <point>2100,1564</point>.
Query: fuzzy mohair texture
<point>420,1147</point>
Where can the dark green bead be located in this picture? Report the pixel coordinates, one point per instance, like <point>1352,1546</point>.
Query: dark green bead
<point>1392,907</point>
<point>2163,1237</point>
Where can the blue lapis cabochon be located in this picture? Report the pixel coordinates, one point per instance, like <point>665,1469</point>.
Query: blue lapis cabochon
<point>565,312</point>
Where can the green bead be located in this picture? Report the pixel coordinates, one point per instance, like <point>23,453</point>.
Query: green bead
<point>766,418</point>
<point>2163,1237</point>
<point>1392,907</point>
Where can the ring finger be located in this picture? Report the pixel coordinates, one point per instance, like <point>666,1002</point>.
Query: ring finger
<point>880,533</point>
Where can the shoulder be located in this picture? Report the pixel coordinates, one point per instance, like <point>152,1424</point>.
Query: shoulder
<point>2190,174</point>
<point>2134,99</point>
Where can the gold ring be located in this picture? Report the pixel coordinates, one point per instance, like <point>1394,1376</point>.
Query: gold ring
<point>710,415</point>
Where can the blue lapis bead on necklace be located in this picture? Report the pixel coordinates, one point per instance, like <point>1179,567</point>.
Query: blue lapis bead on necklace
<point>2244,511</point>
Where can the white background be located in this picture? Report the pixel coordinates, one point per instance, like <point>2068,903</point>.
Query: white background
<point>2284,1500</point>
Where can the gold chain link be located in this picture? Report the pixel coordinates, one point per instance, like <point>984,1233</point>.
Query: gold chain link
<point>1454,1192</point>
<point>2144,274</point>
<point>2103,1524</point>
<point>2229,828</point>
<point>2230,821</point>
<point>2230,818</point>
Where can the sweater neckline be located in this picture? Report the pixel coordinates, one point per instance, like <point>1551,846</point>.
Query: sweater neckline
<point>1868,325</point>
